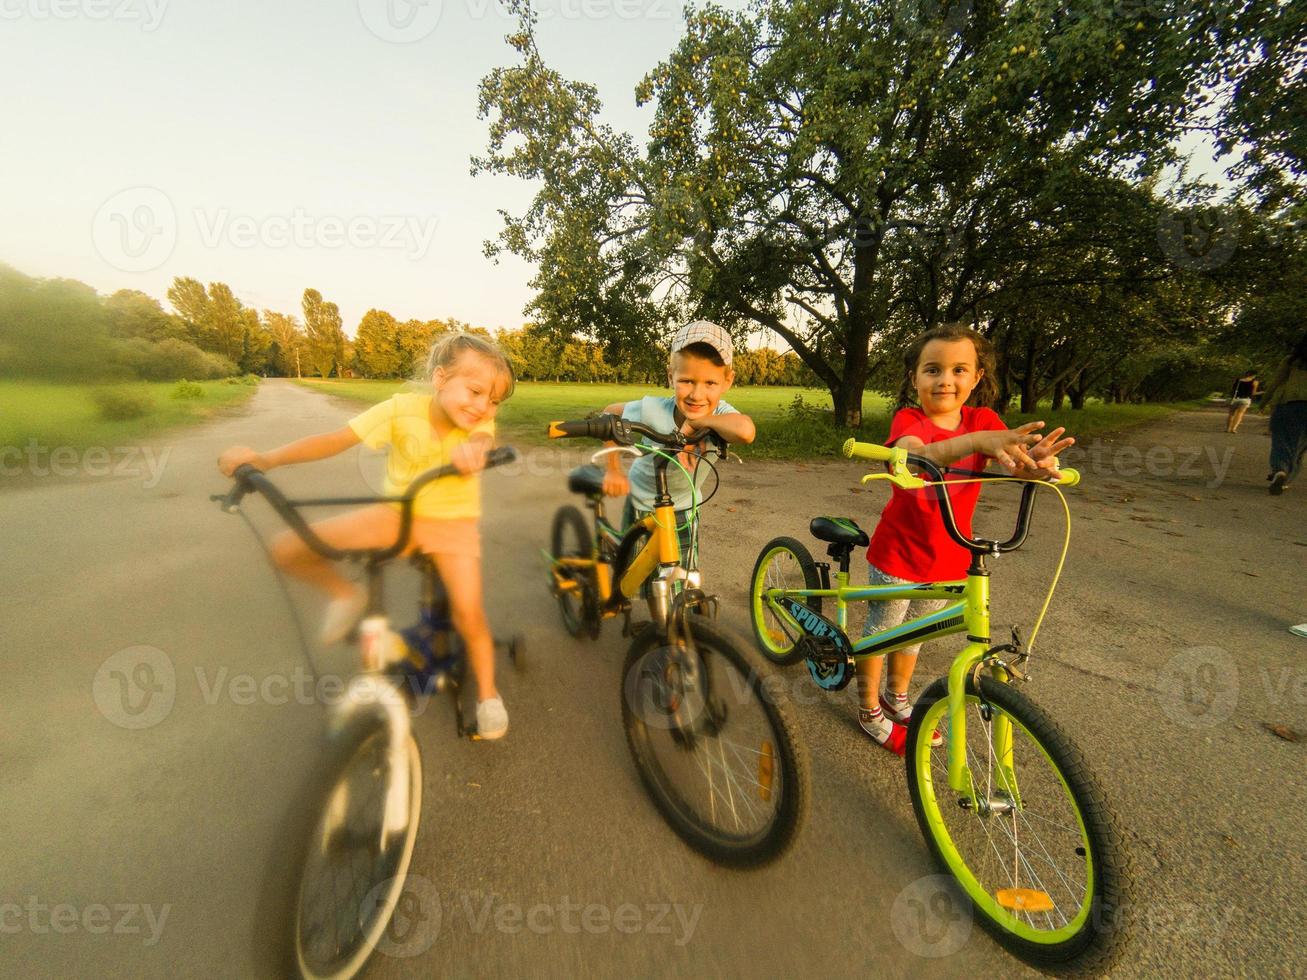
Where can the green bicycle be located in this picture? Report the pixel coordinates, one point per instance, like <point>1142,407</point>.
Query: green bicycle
<point>1004,798</point>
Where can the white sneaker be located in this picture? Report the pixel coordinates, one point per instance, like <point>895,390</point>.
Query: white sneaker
<point>341,616</point>
<point>492,719</point>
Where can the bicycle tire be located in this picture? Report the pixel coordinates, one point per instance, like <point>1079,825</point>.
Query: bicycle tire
<point>785,783</point>
<point>290,908</point>
<point>1089,896</point>
<point>569,537</point>
<point>773,636</point>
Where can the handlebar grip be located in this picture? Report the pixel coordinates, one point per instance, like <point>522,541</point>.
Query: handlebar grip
<point>853,449</point>
<point>500,456</point>
<point>592,428</point>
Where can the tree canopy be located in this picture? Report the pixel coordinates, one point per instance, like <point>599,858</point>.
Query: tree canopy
<point>843,173</point>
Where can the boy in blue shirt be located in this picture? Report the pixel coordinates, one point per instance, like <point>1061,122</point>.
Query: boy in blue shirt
<point>699,372</point>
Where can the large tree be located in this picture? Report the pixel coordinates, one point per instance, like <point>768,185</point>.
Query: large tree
<point>811,164</point>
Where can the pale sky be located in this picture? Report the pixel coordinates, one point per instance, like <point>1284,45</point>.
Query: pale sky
<point>280,145</point>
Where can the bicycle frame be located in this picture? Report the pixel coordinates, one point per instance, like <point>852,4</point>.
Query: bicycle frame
<point>662,548</point>
<point>969,615</point>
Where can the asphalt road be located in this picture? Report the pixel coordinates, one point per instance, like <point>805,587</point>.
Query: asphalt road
<point>158,727</point>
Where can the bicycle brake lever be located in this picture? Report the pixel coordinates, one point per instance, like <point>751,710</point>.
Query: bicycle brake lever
<point>905,481</point>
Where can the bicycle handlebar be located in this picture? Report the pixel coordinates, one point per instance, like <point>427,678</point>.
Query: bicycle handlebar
<point>614,428</point>
<point>899,459</point>
<point>250,479</point>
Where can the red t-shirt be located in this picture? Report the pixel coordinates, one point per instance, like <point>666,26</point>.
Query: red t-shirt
<point>910,541</point>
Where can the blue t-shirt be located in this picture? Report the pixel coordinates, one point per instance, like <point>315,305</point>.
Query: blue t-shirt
<point>659,413</point>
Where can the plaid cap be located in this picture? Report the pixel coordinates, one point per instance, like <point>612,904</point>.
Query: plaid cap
<point>705,332</point>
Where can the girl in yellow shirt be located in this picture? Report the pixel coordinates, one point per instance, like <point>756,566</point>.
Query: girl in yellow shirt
<point>455,425</point>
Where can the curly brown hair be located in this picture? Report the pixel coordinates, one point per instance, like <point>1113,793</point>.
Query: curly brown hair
<point>985,394</point>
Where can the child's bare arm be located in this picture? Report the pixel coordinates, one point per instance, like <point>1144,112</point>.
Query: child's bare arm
<point>470,457</point>
<point>304,450</point>
<point>616,483</point>
<point>731,426</point>
<point>1008,446</point>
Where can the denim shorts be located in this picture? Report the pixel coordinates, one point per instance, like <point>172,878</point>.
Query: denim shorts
<point>886,615</point>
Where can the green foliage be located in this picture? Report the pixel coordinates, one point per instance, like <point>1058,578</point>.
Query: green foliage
<point>187,389</point>
<point>169,360</point>
<point>121,404</point>
<point>844,174</point>
<point>324,339</point>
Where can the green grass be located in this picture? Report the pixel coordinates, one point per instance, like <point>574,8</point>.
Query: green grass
<point>784,431</point>
<point>67,415</point>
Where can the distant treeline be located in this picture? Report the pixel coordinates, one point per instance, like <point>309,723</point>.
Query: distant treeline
<point>62,329</point>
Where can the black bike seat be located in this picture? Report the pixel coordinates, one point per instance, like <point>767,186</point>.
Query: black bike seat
<point>588,480</point>
<point>838,530</point>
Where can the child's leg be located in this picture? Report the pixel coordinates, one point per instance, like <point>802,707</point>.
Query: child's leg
<point>370,527</point>
<point>462,577</point>
<point>903,662</point>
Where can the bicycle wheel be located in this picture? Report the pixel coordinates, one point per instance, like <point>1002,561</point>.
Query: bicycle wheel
<point>571,538</point>
<point>714,744</point>
<point>1040,855</point>
<point>783,563</point>
<point>340,865</point>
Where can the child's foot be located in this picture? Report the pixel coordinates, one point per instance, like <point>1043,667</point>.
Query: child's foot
<point>492,719</point>
<point>342,615</point>
<point>1278,480</point>
<point>897,708</point>
<point>891,735</point>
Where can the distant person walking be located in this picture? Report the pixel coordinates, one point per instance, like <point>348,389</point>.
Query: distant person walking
<point>1286,398</point>
<point>1246,388</point>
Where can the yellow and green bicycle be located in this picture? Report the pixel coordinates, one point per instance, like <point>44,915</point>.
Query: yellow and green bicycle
<point>713,741</point>
<point>1004,799</point>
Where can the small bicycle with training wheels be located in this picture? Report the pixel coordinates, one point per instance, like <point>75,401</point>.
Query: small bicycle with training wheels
<point>713,742</point>
<point>343,853</point>
<point>1004,798</point>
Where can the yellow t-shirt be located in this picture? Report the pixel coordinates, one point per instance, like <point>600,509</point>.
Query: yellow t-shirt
<point>403,424</point>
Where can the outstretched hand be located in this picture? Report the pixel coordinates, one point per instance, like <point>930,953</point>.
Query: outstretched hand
<point>470,457</point>
<point>1043,456</point>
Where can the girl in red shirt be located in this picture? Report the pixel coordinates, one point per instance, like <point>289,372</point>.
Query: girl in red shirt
<point>945,367</point>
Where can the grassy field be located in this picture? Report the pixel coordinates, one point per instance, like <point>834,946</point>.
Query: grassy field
<point>793,423</point>
<point>69,415</point>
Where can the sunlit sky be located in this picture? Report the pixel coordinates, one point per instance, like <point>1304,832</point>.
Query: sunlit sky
<point>281,145</point>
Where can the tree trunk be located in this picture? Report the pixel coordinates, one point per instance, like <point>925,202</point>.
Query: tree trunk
<point>1059,395</point>
<point>847,399</point>
<point>1028,391</point>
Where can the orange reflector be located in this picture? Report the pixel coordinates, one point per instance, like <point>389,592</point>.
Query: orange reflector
<point>1024,900</point>
<point>777,636</point>
<point>554,431</point>
<point>766,771</point>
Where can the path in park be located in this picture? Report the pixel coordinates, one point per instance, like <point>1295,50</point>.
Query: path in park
<point>1165,652</point>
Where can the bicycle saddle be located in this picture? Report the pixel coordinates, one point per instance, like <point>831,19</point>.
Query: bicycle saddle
<point>587,479</point>
<point>838,530</point>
